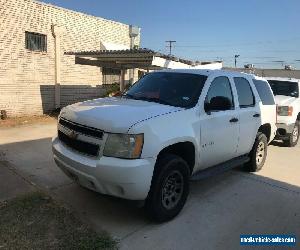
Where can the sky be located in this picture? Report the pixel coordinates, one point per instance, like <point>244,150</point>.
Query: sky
<point>265,33</point>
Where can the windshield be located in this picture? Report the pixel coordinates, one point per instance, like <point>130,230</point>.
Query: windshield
<point>169,88</point>
<point>284,88</point>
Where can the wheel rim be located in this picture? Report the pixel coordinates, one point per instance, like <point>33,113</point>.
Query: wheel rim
<point>172,190</point>
<point>295,133</point>
<point>260,153</point>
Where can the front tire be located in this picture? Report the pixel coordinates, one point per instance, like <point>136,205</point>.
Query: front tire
<point>258,153</point>
<point>169,188</point>
<point>293,137</point>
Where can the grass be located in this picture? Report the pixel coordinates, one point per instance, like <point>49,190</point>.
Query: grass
<point>36,221</point>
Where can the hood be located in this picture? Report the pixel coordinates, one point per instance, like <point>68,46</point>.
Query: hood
<point>282,100</point>
<point>114,114</point>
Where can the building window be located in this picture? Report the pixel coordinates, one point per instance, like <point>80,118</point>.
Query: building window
<point>35,41</point>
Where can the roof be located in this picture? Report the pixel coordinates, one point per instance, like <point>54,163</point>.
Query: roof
<point>286,79</point>
<point>133,52</point>
<point>131,58</point>
<point>208,72</point>
<point>205,72</point>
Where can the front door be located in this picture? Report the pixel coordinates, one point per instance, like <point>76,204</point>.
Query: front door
<point>219,129</point>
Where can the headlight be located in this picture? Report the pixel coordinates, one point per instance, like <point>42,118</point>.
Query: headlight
<point>124,146</point>
<point>285,111</point>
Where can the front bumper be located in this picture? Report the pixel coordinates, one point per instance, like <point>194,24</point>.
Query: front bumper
<point>129,179</point>
<point>284,130</point>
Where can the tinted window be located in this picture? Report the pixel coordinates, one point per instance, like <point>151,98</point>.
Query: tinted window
<point>264,92</point>
<point>244,91</point>
<point>284,88</point>
<point>220,86</point>
<point>170,88</point>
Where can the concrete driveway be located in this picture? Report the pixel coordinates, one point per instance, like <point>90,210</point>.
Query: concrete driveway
<point>218,210</point>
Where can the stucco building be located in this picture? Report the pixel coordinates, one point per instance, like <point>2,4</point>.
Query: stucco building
<point>35,74</point>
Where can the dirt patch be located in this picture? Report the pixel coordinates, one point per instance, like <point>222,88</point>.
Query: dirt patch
<point>25,120</point>
<point>36,221</point>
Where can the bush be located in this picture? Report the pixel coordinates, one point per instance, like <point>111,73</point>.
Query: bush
<point>111,88</point>
<point>114,89</point>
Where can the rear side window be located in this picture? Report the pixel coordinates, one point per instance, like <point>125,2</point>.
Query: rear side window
<point>264,92</point>
<point>244,91</point>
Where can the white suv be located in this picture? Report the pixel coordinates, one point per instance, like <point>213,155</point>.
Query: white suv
<point>169,127</point>
<point>286,91</point>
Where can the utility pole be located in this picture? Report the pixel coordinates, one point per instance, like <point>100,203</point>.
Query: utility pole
<point>170,44</point>
<point>235,59</point>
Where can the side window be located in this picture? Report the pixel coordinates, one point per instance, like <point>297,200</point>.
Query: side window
<point>244,91</point>
<point>264,91</point>
<point>220,88</point>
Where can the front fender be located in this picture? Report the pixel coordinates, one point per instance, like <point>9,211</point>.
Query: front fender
<point>163,131</point>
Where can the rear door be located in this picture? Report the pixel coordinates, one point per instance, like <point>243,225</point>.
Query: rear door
<point>249,114</point>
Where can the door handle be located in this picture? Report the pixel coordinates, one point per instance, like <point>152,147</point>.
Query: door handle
<point>234,120</point>
<point>256,115</point>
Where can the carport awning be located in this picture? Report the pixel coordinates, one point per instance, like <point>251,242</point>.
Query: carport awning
<point>129,59</point>
<point>136,58</point>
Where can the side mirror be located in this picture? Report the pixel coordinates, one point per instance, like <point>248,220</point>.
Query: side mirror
<point>217,103</point>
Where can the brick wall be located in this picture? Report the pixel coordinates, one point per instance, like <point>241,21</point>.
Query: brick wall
<point>27,78</point>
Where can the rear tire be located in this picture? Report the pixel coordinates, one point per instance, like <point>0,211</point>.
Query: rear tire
<point>169,188</point>
<point>258,153</point>
<point>293,137</point>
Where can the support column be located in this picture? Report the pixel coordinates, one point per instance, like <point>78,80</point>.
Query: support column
<point>57,31</point>
<point>122,82</point>
<point>131,71</point>
<point>134,31</point>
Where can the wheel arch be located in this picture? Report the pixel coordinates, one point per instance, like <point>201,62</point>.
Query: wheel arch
<point>266,130</point>
<point>186,150</point>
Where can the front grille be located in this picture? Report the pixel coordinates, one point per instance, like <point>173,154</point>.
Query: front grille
<point>81,146</point>
<point>81,128</point>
